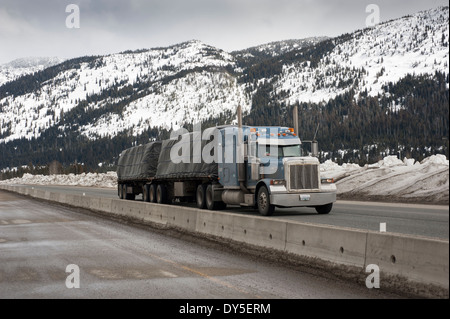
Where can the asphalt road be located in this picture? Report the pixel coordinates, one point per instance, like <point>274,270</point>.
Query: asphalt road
<point>38,240</point>
<point>421,220</point>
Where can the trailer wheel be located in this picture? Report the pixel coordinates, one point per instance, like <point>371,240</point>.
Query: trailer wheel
<point>124,191</point>
<point>210,203</point>
<point>161,194</point>
<point>120,191</point>
<point>145,193</point>
<point>152,193</point>
<point>324,209</point>
<point>200,196</point>
<point>263,202</point>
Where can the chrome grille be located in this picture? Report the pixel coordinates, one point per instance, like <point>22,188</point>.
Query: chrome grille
<point>303,177</point>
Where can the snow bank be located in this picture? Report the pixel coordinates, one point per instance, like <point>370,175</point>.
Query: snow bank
<point>393,180</point>
<point>107,180</point>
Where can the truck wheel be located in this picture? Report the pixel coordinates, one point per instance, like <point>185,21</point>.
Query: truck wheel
<point>120,191</point>
<point>210,203</point>
<point>124,191</point>
<point>200,196</point>
<point>263,201</point>
<point>152,193</point>
<point>161,194</point>
<point>145,193</point>
<point>324,209</point>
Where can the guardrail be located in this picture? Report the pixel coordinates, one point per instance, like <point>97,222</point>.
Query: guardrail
<point>408,263</point>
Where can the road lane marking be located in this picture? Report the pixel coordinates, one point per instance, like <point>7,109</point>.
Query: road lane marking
<point>168,274</point>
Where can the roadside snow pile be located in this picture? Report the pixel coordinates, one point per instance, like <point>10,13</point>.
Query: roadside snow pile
<point>393,180</point>
<point>107,180</point>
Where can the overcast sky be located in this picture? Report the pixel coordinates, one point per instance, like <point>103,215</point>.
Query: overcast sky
<point>38,28</point>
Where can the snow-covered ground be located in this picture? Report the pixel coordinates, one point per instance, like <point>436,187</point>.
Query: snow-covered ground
<point>106,180</point>
<point>388,180</point>
<point>393,180</point>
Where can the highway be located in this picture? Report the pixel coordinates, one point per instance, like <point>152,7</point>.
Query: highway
<point>38,240</point>
<point>411,219</point>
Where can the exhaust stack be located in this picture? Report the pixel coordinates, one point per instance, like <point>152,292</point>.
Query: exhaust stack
<point>241,153</point>
<point>295,116</point>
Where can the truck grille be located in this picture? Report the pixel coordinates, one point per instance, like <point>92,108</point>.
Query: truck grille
<point>303,177</point>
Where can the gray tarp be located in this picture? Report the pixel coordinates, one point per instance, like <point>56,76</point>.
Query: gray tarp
<point>188,168</point>
<point>139,163</point>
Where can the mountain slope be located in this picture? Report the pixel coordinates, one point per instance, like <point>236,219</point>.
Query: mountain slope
<point>372,58</point>
<point>20,67</point>
<point>190,81</point>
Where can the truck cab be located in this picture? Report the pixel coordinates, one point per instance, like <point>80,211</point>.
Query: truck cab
<point>264,167</point>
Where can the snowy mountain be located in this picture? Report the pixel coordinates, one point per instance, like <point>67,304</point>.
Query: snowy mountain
<point>164,87</point>
<point>61,106</point>
<point>371,58</point>
<point>23,66</point>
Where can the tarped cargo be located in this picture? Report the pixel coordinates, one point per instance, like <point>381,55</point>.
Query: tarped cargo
<point>139,163</point>
<point>192,164</point>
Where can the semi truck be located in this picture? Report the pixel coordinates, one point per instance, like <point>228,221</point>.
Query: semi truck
<point>249,166</point>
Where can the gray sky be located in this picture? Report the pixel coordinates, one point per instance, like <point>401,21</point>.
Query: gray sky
<point>38,28</point>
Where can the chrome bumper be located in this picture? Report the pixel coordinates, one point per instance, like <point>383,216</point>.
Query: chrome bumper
<point>303,199</point>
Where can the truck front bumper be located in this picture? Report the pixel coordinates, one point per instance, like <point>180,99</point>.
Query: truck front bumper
<point>302,199</point>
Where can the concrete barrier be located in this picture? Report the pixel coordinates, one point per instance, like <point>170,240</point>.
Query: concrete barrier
<point>181,217</point>
<point>259,231</point>
<point>333,244</point>
<point>211,223</point>
<point>421,260</point>
<point>415,259</point>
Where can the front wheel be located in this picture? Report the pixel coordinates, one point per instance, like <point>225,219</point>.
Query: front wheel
<point>263,202</point>
<point>324,209</point>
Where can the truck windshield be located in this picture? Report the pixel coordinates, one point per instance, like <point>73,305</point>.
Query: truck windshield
<point>283,151</point>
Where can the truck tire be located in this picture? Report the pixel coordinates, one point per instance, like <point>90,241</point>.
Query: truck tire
<point>152,193</point>
<point>146,193</point>
<point>263,202</point>
<point>324,209</point>
<point>209,196</point>
<point>120,191</point>
<point>161,194</point>
<point>124,191</point>
<point>200,196</point>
